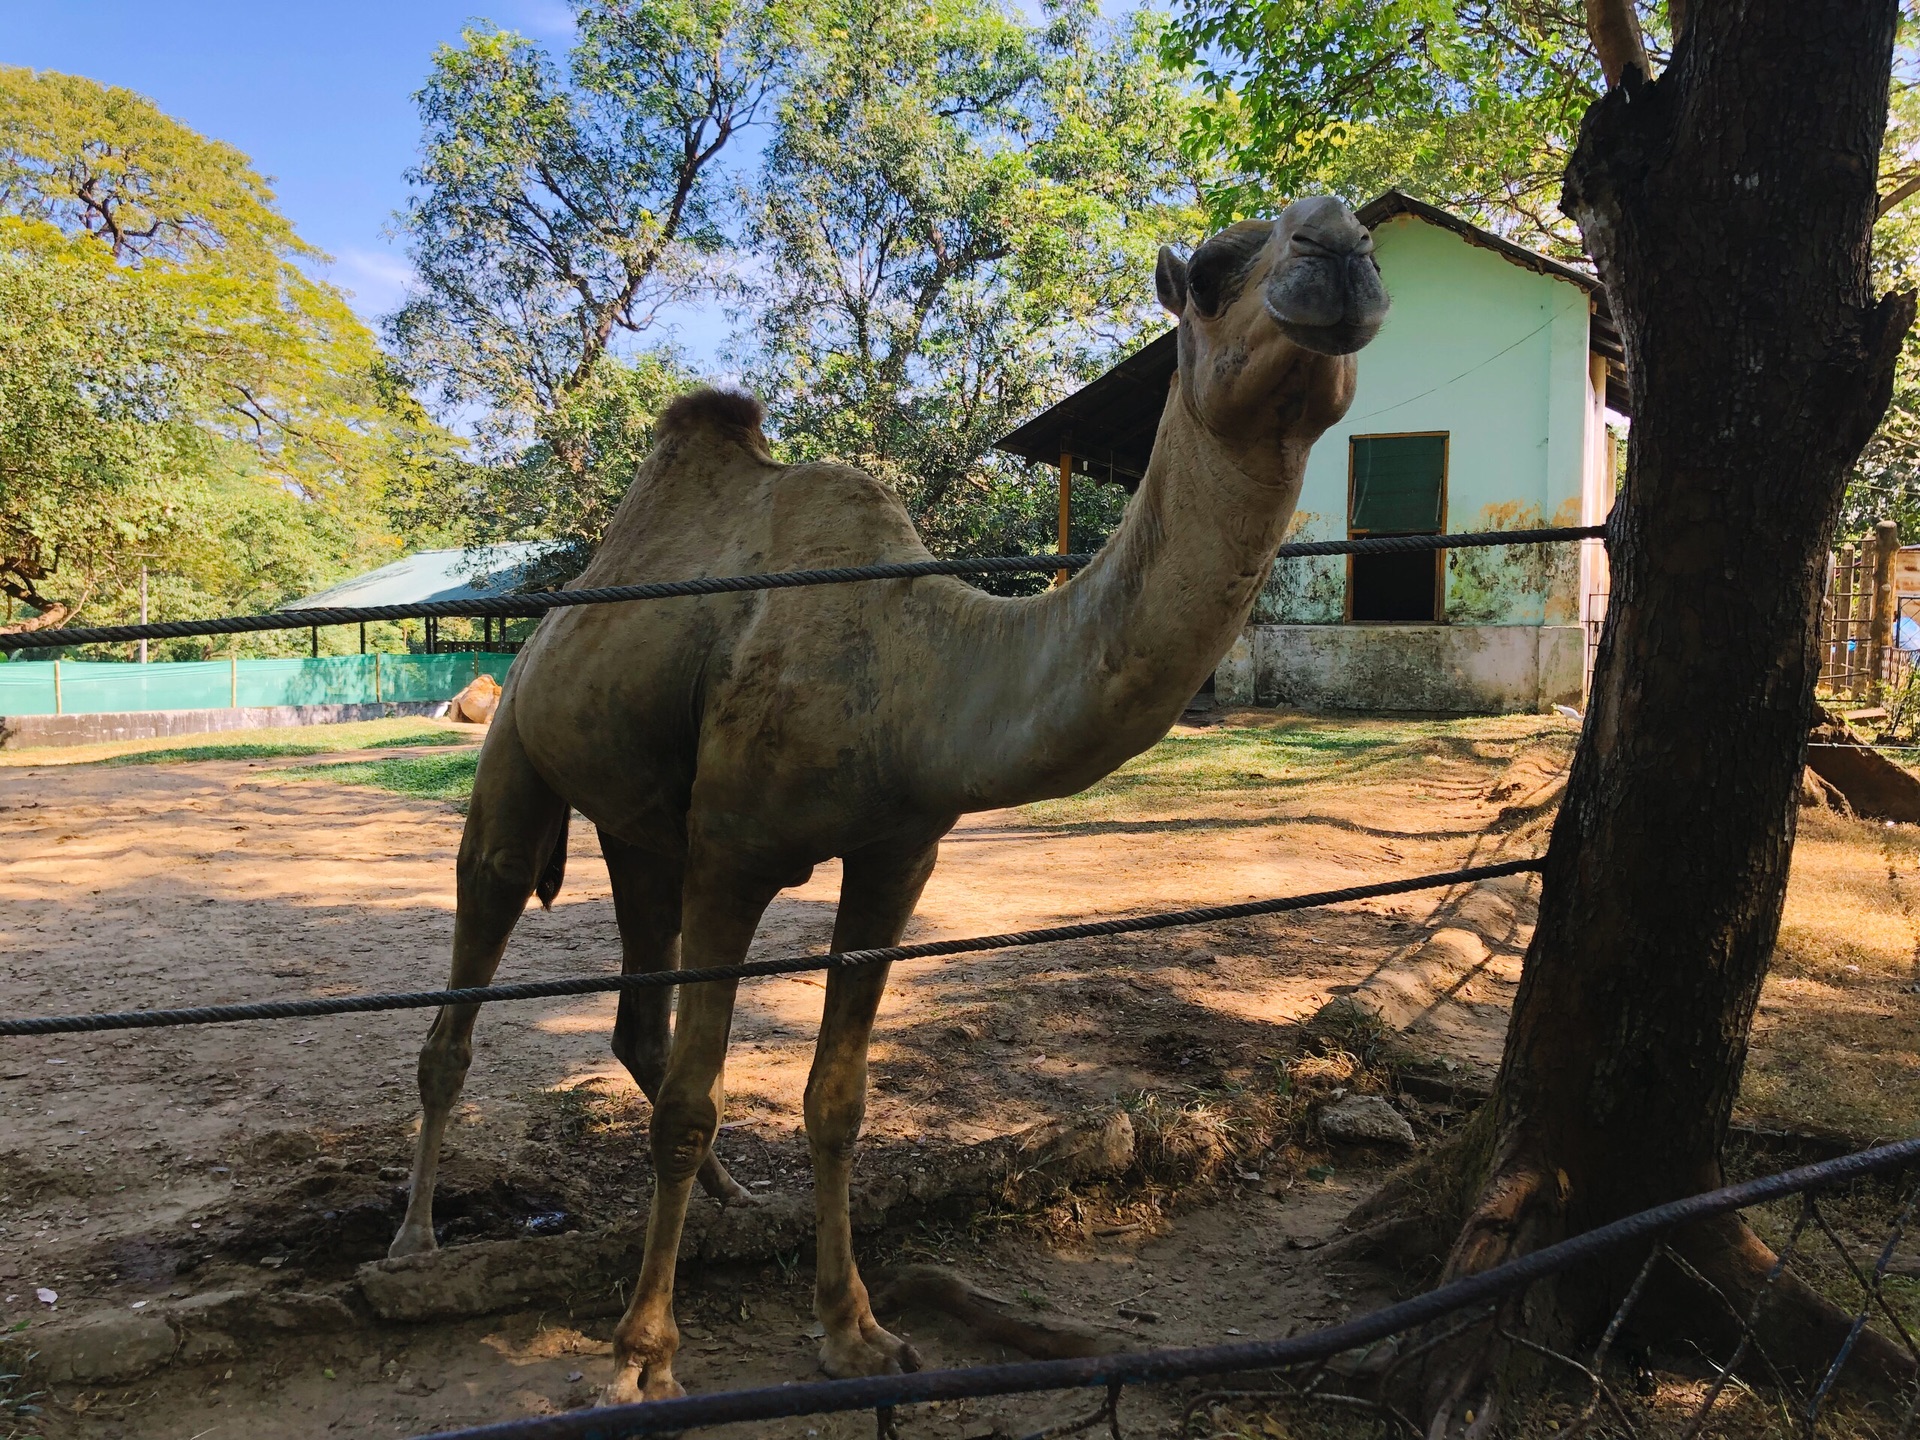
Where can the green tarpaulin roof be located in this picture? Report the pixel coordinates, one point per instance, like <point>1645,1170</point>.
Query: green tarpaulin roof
<point>434,575</point>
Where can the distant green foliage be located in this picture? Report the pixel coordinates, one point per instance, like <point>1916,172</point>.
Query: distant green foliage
<point>1886,483</point>
<point>177,389</point>
<point>1472,104</point>
<point>955,225</point>
<point>554,211</point>
<point>952,222</point>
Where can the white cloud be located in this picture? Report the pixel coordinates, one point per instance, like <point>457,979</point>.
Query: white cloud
<point>377,280</point>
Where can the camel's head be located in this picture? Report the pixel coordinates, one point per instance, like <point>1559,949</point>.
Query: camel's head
<point>1271,312</point>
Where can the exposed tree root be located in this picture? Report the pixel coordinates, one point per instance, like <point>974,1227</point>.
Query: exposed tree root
<point>1717,1280</point>
<point>995,1317</point>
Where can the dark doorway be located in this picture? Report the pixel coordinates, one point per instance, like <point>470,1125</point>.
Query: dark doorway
<point>1397,485</point>
<point>1395,587</point>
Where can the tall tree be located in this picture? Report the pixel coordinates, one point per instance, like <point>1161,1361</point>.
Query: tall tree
<point>956,219</point>
<point>1729,205</point>
<point>556,211</point>
<point>153,258</point>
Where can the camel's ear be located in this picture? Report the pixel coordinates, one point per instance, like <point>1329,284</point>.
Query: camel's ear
<point>1170,280</point>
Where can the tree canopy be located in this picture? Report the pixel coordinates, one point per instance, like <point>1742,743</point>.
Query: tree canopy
<point>555,210</point>
<point>950,219</point>
<point>175,370</point>
<point>957,221</point>
<point>1472,104</point>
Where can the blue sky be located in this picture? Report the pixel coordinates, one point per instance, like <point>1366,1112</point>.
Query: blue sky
<point>319,95</point>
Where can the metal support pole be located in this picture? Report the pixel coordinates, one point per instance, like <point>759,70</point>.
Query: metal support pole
<point>313,640</point>
<point>1066,511</point>
<point>233,681</point>
<point>56,687</point>
<point>363,637</point>
<point>143,611</point>
<point>1886,542</point>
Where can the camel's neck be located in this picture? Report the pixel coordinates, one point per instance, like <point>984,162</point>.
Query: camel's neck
<point>1071,683</point>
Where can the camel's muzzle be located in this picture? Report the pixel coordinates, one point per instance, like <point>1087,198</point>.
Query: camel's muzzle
<point>1326,295</point>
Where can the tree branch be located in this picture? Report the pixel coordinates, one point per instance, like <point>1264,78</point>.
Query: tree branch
<point>1616,38</point>
<point>1894,196</point>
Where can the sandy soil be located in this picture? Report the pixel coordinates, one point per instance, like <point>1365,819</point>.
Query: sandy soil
<point>141,1166</point>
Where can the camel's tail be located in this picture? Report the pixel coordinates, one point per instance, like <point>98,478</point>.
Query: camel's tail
<point>555,871</point>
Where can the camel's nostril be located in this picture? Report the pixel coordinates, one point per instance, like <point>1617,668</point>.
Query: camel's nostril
<point>1303,245</point>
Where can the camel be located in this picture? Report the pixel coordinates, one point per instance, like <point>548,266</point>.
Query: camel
<point>726,745</point>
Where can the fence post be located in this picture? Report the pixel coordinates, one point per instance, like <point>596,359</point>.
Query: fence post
<point>56,686</point>
<point>1886,542</point>
<point>233,682</point>
<point>1853,612</point>
<point>376,677</point>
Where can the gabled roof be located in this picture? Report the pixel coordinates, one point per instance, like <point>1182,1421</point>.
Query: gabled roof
<point>1107,426</point>
<point>434,575</point>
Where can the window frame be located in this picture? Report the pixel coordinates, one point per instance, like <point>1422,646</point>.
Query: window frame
<point>1440,556</point>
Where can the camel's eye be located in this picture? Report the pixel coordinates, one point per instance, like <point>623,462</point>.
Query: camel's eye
<point>1213,278</point>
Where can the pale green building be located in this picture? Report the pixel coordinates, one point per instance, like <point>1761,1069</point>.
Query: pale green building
<point>1481,405</point>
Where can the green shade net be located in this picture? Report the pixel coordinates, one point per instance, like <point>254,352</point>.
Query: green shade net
<point>1397,484</point>
<point>88,687</point>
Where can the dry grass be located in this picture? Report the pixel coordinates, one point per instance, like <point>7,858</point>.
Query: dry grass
<point>1835,1046</point>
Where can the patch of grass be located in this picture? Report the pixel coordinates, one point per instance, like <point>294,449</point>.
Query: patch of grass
<point>1238,762</point>
<point>266,750</point>
<point>269,744</point>
<point>426,777</point>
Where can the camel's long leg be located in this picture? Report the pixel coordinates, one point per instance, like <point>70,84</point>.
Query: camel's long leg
<point>513,824</point>
<point>646,902</point>
<point>878,891</point>
<point>722,907</point>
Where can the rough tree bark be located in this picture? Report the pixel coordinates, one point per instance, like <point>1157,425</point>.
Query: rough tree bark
<point>1729,206</point>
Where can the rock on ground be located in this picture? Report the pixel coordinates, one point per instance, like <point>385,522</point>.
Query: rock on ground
<point>102,1349</point>
<point>1365,1120</point>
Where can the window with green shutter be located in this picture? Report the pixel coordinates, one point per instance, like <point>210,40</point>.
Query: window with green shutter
<point>1398,487</point>
<point>1399,482</point>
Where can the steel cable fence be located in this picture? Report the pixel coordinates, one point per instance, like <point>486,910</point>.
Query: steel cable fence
<point>754,969</point>
<point>526,606</point>
<point>1353,1366</point>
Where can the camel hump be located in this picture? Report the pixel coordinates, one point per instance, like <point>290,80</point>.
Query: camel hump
<point>726,414</point>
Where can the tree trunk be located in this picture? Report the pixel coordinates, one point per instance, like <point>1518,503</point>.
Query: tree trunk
<point>1729,206</point>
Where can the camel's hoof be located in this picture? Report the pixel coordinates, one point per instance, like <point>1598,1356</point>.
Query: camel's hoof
<point>629,1387</point>
<point>848,1357</point>
<point>728,1191</point>
<point>412,1242</point>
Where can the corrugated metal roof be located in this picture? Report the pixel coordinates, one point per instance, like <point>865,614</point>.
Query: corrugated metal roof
<point>434,575</point>
<point>1108,425</point>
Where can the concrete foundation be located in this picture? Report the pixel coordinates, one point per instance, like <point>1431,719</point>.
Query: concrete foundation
<point>1453,669</point>
<point>21,732</point>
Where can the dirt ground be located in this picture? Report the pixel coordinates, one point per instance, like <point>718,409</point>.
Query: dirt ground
<point>142,1169</point>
